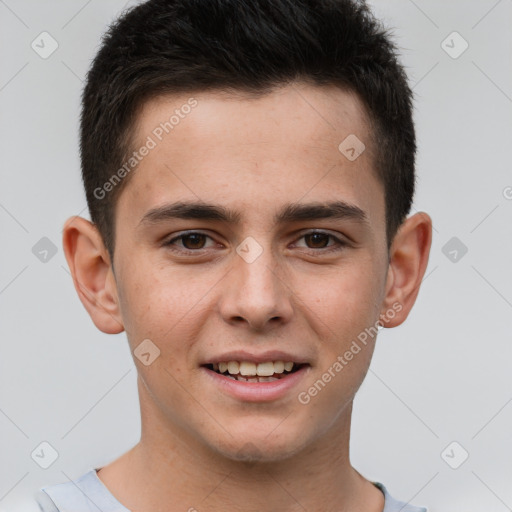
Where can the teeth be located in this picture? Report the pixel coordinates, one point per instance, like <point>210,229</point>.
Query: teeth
<point>278,367</point>
<point>265,369</point>
<point>252,379</point>
<point>248,369</point>
<point>233,367</point>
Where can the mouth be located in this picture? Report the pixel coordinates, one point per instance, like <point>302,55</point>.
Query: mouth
<point>250,372</point>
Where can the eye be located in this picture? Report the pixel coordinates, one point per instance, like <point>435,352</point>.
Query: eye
<point>194,241</point>
<point>191,241</point>
<point>319,240</point>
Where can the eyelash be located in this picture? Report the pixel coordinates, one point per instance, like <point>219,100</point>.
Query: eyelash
<point>340,244</point>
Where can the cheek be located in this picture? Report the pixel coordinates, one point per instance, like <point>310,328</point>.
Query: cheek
<point>143,305</point>
<point>347,301</point>
<point>162,304</point>
<point>345,315</point>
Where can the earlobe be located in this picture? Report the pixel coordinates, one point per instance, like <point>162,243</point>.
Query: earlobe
<point>92,274</point>
<point>408,261</point>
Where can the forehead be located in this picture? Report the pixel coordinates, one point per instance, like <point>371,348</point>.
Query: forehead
<point>313,115</point>
<point>233,148</point>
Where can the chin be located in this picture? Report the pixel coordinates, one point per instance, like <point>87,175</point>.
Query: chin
<point>253,448</point>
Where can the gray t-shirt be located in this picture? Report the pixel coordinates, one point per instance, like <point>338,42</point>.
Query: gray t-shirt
<point>89,494</point>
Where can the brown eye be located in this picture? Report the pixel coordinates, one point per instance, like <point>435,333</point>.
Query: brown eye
<point>321,243</point>
<point>192,241</point>
<point>319,240</point>
<point>195,240</point>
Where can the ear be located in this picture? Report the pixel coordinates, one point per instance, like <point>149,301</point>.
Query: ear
<point>92,273</point>
<point>408,261</point>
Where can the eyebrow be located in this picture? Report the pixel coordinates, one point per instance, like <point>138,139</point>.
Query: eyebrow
<point>291,212</point>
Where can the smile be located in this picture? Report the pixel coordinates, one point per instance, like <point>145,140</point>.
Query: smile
<point>247,371</point>
<point>257,381</point>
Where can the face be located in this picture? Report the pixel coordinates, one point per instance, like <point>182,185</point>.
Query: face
<point>256,277</point>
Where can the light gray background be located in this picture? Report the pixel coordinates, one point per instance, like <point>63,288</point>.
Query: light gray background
<point>443,376</point>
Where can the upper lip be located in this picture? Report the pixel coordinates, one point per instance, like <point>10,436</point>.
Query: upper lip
<point>262,357</point>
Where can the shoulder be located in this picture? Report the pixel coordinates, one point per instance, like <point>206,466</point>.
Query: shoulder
<point>84,494</point>
<point>393,505</point>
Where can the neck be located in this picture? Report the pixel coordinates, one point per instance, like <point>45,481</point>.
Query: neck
<point>169,466</point>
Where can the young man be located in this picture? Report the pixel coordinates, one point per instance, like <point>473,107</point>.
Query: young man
<point>249,169</point>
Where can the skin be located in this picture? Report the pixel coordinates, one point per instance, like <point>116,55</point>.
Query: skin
<point>200,447</point>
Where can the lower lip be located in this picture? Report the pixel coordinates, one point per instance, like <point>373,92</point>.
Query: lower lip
<point>257,391</point>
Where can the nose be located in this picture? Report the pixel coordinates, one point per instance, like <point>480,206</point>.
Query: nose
<point>257,293</point>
